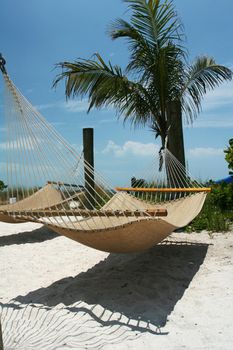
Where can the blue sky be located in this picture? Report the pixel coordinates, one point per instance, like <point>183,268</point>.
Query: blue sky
<point>35,35</point>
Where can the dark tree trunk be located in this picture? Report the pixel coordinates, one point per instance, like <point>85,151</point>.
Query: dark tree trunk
<point>175,133</point>
<point>175,142</point>
<point>1,341</point>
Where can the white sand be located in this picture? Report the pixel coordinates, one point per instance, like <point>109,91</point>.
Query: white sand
<point>57,294</point>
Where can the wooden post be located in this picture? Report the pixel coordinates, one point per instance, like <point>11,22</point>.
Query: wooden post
<point>88,151</point>
<point>1,341</point>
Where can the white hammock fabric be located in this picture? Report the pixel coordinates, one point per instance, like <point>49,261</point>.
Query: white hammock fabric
<point>141,214</point>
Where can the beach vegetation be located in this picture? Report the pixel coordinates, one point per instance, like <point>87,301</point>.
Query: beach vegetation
<point>229,156</point>
<point>217,212</point>
<point>2,186</point>
<point>18,192</point>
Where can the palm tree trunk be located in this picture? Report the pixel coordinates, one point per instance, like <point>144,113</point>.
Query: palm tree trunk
<point>175,134</point>
<point>1,341</point>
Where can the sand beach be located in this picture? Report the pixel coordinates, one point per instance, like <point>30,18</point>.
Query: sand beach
<point>58,294</point>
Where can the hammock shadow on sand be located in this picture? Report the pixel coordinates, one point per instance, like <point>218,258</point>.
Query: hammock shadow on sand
<point>36,236</point>
<point>134,292</point>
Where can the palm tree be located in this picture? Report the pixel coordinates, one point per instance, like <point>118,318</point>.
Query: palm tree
<point>158,85</point>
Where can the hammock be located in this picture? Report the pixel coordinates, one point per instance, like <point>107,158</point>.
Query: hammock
<point>125,219</point>
<point>45,197</point>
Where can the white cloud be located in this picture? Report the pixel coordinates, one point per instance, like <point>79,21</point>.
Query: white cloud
<point>201,152</point>
<point>76,106</point>
<point>22,143</point>
<point>217,107</point>
<point>107,121</point>
<point>47,106</point>
<point>71,106</point>
<point>218,121</point>
<point>58,123</point>
<point>131,148</point>
<point>219,97</point>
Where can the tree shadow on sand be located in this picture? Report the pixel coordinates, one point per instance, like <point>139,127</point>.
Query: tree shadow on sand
<point>36,236</point>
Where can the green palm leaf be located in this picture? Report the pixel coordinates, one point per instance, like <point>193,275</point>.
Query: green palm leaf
<point>157,22</point>
<point>203,75</point>
<point>106,85</point>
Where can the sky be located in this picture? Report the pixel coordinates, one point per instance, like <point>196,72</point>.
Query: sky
<point>36,35</point>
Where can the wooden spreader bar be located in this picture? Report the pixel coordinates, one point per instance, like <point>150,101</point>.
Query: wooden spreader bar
<point>184,189</point>
<point>88,213</point>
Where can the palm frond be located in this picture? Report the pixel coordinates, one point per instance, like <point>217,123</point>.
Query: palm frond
<point>203,75</point>
<point>153,25</point>
<point>83,75</point>
<point>106,85</point>
<point>142,54</point>
<point>156,21</point>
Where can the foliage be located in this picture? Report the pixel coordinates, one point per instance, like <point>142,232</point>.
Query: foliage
<point>222,196</point>
<point>2,186</point>
<point>102,196</point>
<point>156,75</point>
<point>229,156</point>
<point>217,213</point>
<point>17,192</point>
<point>3,193</point>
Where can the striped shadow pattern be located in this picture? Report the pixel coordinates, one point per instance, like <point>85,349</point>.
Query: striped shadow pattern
<point>79,326</point>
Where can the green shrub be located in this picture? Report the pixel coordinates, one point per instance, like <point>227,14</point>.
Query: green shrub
<point>2,186</point>
<point>217,212</point>
<point>229,156</point>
